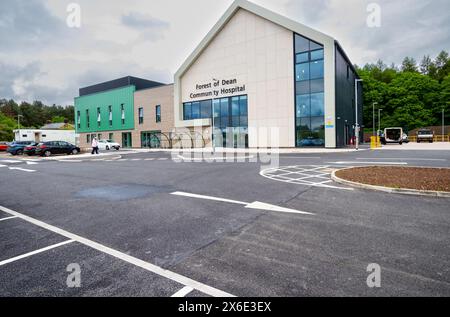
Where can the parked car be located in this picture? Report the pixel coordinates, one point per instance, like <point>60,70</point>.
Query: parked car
<point>405,138</point>
<point>392,135</point>
<point>3,146</point>
<point>425,135</point>
<point>30,149</point>
<point>56,147</point>
<point>17,147</point>
<point>107,145</point>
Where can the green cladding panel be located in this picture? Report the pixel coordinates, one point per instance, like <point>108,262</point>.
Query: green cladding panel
<point>115,99</point>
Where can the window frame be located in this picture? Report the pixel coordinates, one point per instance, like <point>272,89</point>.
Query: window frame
<point>158,116</point>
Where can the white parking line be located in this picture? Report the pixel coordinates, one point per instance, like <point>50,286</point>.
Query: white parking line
<point>22,169</point>
<point>8,218</point>
<point>183,292</point>
<point>35,252</point>
<point>124,257</point>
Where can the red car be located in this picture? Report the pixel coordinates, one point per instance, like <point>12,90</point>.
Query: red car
<point>3,146</point>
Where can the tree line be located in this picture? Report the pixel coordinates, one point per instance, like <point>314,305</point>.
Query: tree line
<point>411,95</point>
<point>32,115</point>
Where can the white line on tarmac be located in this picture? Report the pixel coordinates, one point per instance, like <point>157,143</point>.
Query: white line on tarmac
<point>300,157</point>
<point>2,165</point>
<point>183,292</point>
<point>22,169</point>
<point>214,159</point>
<point>369,163</point>
<point>125,257</point>
<point>11,161</point>
<point>209,198</point>
<point>404,159</point>
<point>31,163</point>
<point>255,205</point>
<point>35,252</point>
<point>8,218</point>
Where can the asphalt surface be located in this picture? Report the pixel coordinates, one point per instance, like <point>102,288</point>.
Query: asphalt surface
<point>127,204</point>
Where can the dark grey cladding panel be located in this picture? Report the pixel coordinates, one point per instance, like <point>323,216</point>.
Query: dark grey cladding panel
<point>139,83</point>
<point>345,98</point>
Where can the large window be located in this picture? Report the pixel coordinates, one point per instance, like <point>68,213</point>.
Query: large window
<point>230,117</point>
<point>197,110</point>
<point>78,119</point>
<point>310,108</point>
<point>158,114</point>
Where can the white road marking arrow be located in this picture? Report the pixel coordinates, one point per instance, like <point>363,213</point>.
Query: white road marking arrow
<point>255,205</point>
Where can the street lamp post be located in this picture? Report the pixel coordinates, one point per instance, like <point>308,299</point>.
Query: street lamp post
<point>443,125</point>
<point>379,119</point>
<point>356,107</point>
<point>375,103</point>
<point>18,124</point>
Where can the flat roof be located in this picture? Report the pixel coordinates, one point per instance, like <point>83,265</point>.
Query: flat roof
<point>139,83</point>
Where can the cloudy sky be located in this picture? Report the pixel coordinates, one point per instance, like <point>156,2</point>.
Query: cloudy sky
<point>41,58</point>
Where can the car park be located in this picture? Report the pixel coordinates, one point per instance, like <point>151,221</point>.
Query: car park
<point>17,147</point>
<point>56,147</point>
<point>107,145</point>
<point>425,135</point>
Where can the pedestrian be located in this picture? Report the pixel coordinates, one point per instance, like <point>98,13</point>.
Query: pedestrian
<point>94,146</point>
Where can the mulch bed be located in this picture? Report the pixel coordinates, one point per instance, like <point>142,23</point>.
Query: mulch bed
<point>434,179</point>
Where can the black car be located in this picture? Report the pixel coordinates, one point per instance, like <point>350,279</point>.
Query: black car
<point>56,147</point>
<point>17,147</point>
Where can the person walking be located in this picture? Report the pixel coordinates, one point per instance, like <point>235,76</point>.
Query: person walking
<point>94,146</point>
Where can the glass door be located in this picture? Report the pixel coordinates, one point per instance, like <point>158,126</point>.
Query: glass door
<point>126,140</point>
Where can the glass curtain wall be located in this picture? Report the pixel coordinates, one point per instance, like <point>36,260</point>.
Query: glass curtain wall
<point>309,77</point>
<point>230,118</point>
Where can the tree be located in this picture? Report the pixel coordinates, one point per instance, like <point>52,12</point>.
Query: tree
<point>409,64</point>
<point>58,119</point>
<point>7,125</point>
<point>426,64</point>
<point>442,65</point>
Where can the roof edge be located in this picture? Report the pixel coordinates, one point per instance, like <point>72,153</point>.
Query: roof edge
<point>260,11</point>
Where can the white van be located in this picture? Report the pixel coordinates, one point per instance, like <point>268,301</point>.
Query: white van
<point>392,135</point>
